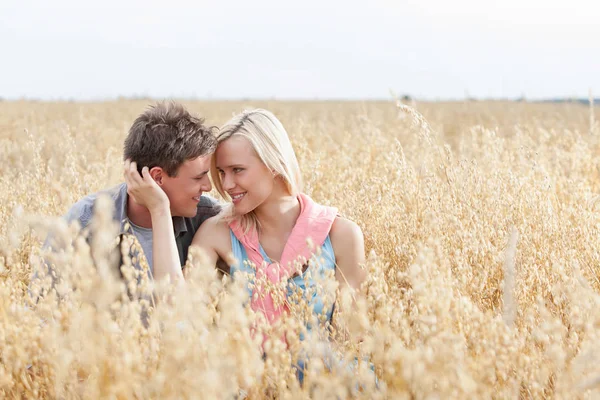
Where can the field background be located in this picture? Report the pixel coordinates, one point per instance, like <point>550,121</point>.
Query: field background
<point>481,220</point>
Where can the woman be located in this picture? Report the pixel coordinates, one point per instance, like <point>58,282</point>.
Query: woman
<point>269,225</point>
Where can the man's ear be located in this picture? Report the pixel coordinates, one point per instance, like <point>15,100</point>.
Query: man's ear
<point>157,173</point>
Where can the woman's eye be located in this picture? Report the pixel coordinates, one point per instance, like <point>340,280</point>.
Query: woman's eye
<point>236,170</point>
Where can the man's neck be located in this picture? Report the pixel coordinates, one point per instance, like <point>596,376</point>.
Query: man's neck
<point>138,215</point>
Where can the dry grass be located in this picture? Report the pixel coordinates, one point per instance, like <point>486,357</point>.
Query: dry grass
<point>449,205</point>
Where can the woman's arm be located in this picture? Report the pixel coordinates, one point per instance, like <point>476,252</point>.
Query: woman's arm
<point>349,248</point>
<point>212,241</point>
<point>146,192</point>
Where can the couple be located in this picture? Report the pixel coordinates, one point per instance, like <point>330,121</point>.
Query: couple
<point>267,221</point>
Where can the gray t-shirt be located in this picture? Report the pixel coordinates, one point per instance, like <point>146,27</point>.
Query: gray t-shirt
<point>144,236</point>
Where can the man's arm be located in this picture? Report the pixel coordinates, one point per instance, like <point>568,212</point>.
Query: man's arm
<point>146,192</point>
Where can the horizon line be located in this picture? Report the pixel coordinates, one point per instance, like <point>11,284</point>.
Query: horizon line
<point>405,97</point>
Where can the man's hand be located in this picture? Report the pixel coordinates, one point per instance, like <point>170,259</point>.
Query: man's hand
<point>143,189</point>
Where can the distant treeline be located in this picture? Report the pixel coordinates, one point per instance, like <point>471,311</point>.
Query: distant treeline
<point>563,100</point>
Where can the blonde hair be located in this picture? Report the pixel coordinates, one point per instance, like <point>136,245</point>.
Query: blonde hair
<point>272,145</point>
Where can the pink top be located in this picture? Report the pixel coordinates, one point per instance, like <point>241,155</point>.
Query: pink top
<point>314,223</point>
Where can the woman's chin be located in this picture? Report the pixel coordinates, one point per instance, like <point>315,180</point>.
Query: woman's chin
<point>241,209</point>
<point>237,209</point>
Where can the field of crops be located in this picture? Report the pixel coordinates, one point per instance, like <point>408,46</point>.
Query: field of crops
<point>482,229</point>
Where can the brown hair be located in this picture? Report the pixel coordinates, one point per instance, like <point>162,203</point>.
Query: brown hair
<point>166,135</point>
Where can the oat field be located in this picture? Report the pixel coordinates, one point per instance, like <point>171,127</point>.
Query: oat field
<point>482,229</point>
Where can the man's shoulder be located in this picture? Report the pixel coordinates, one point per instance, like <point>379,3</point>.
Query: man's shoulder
<point>207,207</point>
<point>209,202</point>
<point>83,210</point>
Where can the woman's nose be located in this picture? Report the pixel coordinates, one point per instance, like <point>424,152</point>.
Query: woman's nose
<point>227,182</point>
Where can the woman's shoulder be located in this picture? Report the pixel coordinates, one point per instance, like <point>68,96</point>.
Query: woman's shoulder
<point>348,245</point>
<point>345,230</point>
<point>215,227</point>
<point>218,220</point>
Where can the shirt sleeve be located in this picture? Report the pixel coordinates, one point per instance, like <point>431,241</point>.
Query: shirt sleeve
<point>208,207</point>
<point>82,212</point>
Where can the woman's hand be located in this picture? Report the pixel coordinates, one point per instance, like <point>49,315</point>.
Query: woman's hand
<point>143,189</point>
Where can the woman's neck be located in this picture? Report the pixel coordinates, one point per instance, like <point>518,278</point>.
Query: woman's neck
<point>277,216</point>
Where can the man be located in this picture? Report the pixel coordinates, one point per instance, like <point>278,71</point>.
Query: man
<point>176,147</point>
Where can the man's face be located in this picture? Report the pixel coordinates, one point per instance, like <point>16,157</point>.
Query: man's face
<point>184,189</point>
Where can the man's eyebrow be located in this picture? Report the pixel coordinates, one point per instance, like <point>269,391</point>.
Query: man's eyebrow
<point>201,174</point>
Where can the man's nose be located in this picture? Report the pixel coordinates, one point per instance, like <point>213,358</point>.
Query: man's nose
<point>207,186</point>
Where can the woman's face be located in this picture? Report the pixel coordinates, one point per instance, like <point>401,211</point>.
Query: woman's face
<point>243,175</point>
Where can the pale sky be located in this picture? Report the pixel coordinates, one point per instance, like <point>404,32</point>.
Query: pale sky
<point>309,49</point>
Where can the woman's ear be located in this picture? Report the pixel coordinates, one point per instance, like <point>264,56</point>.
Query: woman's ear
<point>157,173</point>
